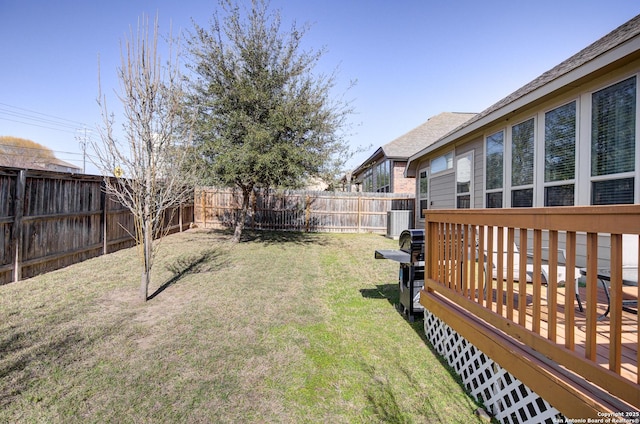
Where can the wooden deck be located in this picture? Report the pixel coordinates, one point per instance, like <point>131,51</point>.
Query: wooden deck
<point>579,361</point>
<point>629,363</point>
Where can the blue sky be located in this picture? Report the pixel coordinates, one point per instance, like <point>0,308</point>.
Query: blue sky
<point>412,59</point>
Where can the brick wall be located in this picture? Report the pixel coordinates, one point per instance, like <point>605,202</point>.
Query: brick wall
<point>400,183</point>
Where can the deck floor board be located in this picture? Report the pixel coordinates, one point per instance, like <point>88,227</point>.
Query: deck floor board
<point>629,325</point>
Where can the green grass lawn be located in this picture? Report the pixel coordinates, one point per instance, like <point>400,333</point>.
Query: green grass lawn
<point>282,328</point>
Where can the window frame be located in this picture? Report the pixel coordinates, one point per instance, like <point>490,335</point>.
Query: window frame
<point>513,189</point>
<point>582,181</point>
<point>542,180</point>
<point>382,177</point>
<point>588,146</point>
<point>448,158</point>
<point>419,194</point>
<point>367,180</point>
<point>459,195</point>
<point>499,190</point>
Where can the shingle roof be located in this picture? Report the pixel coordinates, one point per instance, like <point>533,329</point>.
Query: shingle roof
<point>425,134</point>
<point>615,38</point>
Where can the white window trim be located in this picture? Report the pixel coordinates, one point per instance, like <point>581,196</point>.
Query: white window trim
<point>471,178</point>
<point>583,179</point>
<point>508,169</point>
<point>448,168</point>
<point>583,171</point>
<point>419,199</point>
<point>540,154</point>
<point>484,165</point>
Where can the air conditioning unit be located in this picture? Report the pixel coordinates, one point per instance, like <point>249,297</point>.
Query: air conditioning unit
<point>397,222</point>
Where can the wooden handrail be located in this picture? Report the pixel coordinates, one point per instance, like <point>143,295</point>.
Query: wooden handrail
<point>456,263</point>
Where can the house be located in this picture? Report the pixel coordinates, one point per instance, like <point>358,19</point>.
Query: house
<point>569,137</point>
<point>383,171</point>
<point>556,166</point>
<point>22,153</point>
<point>56,165</point>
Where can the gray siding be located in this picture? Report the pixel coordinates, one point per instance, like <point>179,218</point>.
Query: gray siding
<point>443,191</point>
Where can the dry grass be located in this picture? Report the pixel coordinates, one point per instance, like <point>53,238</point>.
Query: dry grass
<point>281,328</point>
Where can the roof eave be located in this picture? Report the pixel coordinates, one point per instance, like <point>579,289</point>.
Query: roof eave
<point>609,57</point>
<point>364,165</point>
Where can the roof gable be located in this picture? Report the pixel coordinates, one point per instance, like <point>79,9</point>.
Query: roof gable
<point>425,134</point>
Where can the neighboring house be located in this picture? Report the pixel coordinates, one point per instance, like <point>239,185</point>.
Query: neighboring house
<point>57,165</point>
<point>569,137</point>
<point>47,164</point>
<point>384,170</point>
<point>22,153</point>
<point>316,184</point>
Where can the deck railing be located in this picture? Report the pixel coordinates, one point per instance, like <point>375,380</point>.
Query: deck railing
<point>461,246</point>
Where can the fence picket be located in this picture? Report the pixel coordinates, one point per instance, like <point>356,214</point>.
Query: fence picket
<point>310,211</point>
<point>49,220</point>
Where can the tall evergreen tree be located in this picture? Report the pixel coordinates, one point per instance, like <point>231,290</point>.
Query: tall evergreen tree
<point>265,120</point>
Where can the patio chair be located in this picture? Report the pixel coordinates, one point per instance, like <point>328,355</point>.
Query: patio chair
<point>562,275</point>
<point>629,260</point>
<point>561,271</point>
<point>494,260</point>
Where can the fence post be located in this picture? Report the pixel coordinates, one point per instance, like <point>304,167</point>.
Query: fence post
<point>17,222</point>
<point>307,213</point>
<point>203,212</point>
<point>359,212</point>
<point>103,217</point>
<point>254,208</point>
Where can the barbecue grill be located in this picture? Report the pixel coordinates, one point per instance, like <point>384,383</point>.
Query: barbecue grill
<point>411,274</point>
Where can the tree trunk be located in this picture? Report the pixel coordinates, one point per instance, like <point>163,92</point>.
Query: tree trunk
<point>246,195</point>
<point>147,231</point>
<point>147,240</point>
<point>144,286</point>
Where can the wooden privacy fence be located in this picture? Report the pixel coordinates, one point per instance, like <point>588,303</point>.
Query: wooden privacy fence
<point>49,220</point>
<point>310,211</point>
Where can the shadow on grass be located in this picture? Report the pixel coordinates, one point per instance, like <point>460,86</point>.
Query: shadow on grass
<point>379,397</point>
<point>382,291</point>
<point>32,357</point>
<point>271,237</point>
<point>282,237</point>
<point>383,401</point>
<point>206,261</point>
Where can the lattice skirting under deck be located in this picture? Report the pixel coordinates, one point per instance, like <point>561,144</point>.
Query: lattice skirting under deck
<point>506,398</point>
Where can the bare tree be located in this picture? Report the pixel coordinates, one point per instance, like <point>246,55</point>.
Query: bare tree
<point>144,167</point>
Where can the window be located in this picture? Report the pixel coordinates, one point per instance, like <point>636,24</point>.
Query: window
<point>560,155</point>
<point>442,163</point>
<point>464,172</point>
<point>522,198</point>
<point>423,187</point>
<point>559,195</point>
<point>494,167</point>
<point>613,138</point>
<point>611,192</point>
<point>522,145</point>
<point>383,177</point>
<point>367,180</point>
<point>494,200</point>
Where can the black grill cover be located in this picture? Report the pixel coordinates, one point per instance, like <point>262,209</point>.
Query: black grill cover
<point>412,242</point>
